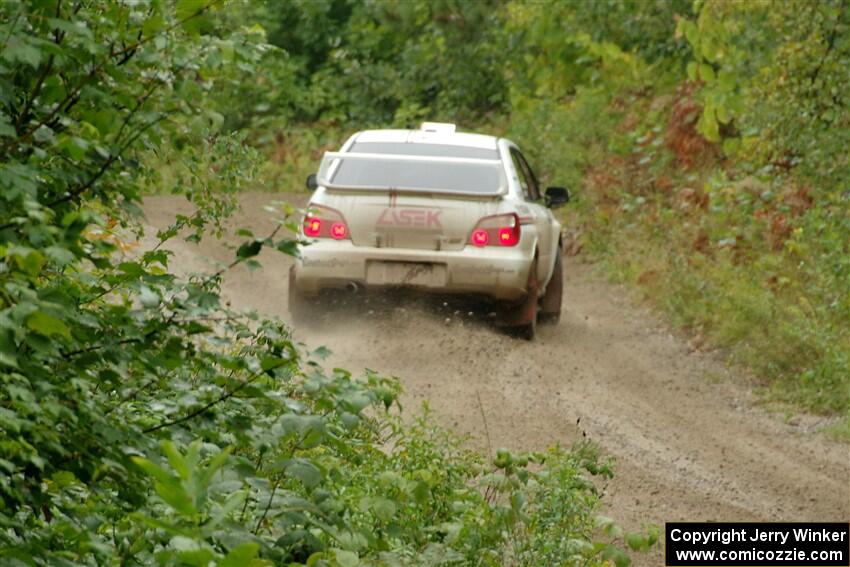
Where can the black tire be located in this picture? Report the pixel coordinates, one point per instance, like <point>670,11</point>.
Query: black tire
<point>521,318</point>
<point>550,303</point>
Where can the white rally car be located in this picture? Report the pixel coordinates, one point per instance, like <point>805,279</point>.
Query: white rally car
<point>438,211</point>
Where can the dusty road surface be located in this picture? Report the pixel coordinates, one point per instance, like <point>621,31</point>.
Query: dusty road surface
<point>690,443</point>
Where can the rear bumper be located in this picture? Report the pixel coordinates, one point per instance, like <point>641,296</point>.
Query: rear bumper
<point>499,273</point>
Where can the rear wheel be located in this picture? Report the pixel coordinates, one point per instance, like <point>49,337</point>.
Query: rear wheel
<point>550,303</point>
<point>521,318</point>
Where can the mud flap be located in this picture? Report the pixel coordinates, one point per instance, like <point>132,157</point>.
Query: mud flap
<point>521,318</point>
<point>550,303</point>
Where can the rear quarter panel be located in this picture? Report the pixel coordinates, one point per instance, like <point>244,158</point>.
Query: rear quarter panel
<point>545,227</point>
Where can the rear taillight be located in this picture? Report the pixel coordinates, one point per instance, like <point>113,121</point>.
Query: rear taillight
<point>339,230</point>
<point>498,230</point>
<point>325,222</point>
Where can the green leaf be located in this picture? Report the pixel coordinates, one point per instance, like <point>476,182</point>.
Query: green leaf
<point>17,50</point>
<point>74,146</point>
<point>8,359</point>
<point>269,362</point>
<point>59,255</point>
<point>196,557</point>
<point>617,555</point>
<point>310,429</point>
<point>349,420</point>
<point>723,114</point>
<point>241,555</point>
<point>188,12</point>
<point>608,526</point>
<point>726,80</point>
<point>321,353</point>
<point>346,558</point>
<point>30,263</point>
<point>689,29</point>
<point>249,249</point>
<point>731,146</point>
<point>176,460</point>
<point>289,247</point>
<point>6,128</point>
<point>635,541</point>
<point>53,90</point>
<point>64,478</point>
<point>232,503</point>
<point>707,124</point>
<point>356,401</point>
<point>148,297</point>
<point>305,471</point>
<point>160,525</point>
<point>652,534</point>
<point>383,508</point>
<point>706,72</point>
<point>173,493</point>
<point>152,469</point>
<point>47,325</point>
<point>215,464</point>
<point>152,25</point>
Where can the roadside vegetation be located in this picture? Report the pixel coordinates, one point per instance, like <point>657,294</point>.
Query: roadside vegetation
<point>712,166</point>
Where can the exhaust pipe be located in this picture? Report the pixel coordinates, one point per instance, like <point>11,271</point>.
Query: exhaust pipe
<point>353,287</point>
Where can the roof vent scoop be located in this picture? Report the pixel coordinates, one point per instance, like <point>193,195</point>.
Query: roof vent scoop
<point>441,127</point>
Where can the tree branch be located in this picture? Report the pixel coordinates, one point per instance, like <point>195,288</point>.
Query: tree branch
<point>99,346</point>
<point>830,44</point>
<point>74,193</point>
<point>203,409</point>
<point>268,507</point>
<point>133,47</point>
<point>97,68</point>
<point>11,29</point>
<point>58,36</point>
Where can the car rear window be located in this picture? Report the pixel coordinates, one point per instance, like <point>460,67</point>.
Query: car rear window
<point>424,149</point>
<point>414,173</point>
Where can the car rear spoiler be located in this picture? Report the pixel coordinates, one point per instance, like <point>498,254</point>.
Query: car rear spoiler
<point>333,160</point>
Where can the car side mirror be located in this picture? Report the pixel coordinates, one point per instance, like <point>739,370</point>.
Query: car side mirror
<point>557,196</point>
<point>312,182</point>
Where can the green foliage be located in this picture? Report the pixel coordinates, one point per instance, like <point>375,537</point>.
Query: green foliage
<point>643,27</point>
<point>776,71</point>
<point>717,65</point>
<point>144,422</point>
<point>750,253</point>
<point>370,63</point>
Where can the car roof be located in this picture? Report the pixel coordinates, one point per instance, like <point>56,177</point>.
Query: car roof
<point>428,137</point>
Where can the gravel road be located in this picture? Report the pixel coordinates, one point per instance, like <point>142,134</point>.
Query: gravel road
<point>689,438</point>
